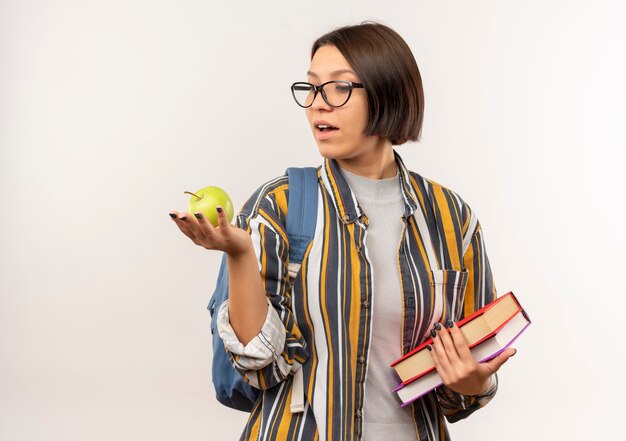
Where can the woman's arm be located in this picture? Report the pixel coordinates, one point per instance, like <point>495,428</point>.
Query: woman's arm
<point>468,385</point>
<point>248,304</point>
<point>279,349</point>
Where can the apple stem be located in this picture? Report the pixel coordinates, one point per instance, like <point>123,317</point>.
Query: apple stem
<point>188,192</point>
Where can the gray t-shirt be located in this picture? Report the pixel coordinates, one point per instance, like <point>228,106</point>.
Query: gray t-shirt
<point>381,200</point>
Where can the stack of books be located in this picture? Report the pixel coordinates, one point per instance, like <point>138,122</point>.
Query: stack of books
<point>488,332</point>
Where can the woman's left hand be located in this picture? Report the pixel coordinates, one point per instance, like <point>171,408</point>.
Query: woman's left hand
<point>457,367</point>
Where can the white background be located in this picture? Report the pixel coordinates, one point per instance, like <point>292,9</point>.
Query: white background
<point>109,110</point>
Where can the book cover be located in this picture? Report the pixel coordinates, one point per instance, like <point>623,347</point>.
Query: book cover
<point>476,327</point>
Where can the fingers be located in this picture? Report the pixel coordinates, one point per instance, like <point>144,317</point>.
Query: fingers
<point>462,348</point>
<point>181,218</point>
<point>201,231</point>
<point>497,362</point>
<point>442,359</point>
<point>195,226</point>
<point>203,224</point>
<point>451,353</point>
<point>448,344</point>
<point>222,219</point>
<point>456,364</point>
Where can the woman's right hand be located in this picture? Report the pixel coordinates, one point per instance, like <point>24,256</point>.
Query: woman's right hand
<point>225,237</point>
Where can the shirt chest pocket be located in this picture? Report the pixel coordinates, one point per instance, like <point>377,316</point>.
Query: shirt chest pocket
<point>449,294</point>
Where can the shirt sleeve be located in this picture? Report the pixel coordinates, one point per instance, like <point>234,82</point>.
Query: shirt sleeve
<point>479,291</point>
<point>264,348</point>
<point>279,349</point>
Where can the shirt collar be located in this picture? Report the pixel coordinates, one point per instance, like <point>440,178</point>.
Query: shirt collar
<point>344,199</point>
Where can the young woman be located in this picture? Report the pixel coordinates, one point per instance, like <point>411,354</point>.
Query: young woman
<point>395,259</point>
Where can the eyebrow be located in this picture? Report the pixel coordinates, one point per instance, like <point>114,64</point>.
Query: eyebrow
<point>333,73</point>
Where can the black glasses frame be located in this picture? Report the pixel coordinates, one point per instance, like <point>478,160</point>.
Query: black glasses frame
<point>352,85</point>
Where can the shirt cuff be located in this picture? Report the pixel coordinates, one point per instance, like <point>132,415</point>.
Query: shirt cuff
<point>485,397</point>
<point>456,406</point>
<point>264,348</point>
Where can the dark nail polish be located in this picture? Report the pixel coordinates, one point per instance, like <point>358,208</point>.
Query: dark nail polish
<point>219,209</point>
<point>198,215</point>
<point>437,326</point>
<point>449,324</point>
<point>429,347</point>
<point>183,218</point>
<point>172,215</point>
<point>433,334</point>
<point>514,353</point>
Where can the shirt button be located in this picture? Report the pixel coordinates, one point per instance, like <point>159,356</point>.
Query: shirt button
<point>346,217</point>
<point>362,360</point>
<point>358,248</point>
<point>365,304</point>
<point>358,414</point>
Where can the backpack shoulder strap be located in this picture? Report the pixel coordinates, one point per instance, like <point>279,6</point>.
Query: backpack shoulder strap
<point>301,220</point>
<point>302,216</point>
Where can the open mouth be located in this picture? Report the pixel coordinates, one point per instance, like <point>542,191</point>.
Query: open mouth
<point>325,127</point>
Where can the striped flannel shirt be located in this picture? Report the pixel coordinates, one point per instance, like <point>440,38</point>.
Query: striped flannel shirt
<point>320,321</point>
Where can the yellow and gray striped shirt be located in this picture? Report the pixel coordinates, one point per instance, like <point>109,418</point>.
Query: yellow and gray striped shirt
<point>320,320</point>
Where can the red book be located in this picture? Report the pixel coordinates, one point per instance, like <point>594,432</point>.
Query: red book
<point>487,349</point>
<point>476,328</point>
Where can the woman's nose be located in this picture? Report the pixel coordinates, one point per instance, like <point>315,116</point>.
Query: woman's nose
<point>320,103</point>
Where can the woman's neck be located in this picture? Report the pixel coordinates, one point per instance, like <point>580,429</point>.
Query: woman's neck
<point>381,164</point>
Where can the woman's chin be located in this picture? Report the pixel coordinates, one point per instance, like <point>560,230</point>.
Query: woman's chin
<point>329,151</point>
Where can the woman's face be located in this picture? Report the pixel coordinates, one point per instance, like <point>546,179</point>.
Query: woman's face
<point>348,143</point>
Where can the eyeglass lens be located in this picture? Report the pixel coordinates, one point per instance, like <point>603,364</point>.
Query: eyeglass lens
<point>335,93</point>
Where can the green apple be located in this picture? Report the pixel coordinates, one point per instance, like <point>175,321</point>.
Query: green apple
<point>207,199</point>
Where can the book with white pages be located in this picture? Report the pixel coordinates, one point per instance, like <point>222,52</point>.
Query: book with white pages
<point>418,386</point>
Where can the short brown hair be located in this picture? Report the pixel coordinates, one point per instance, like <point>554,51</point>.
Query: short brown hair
<point>386,66</point>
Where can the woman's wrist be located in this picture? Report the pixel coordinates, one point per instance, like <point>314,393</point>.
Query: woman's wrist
<point>489,383</point>
<point>244,250</point>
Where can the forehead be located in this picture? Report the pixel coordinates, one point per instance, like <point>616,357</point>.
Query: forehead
<point>328,60</point>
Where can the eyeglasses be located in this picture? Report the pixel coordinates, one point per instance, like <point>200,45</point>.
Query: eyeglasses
<point>335,93</point>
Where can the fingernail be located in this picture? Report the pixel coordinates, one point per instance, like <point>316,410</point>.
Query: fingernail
<point>183,218</point>
<point>429,347</point>
<point>433,334</point>
<point>198,215</point>
<point>514,353</point>
<point>172,215</point>
<point>219,209</point>
<point>449,324</point>
<point>437,326</point>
